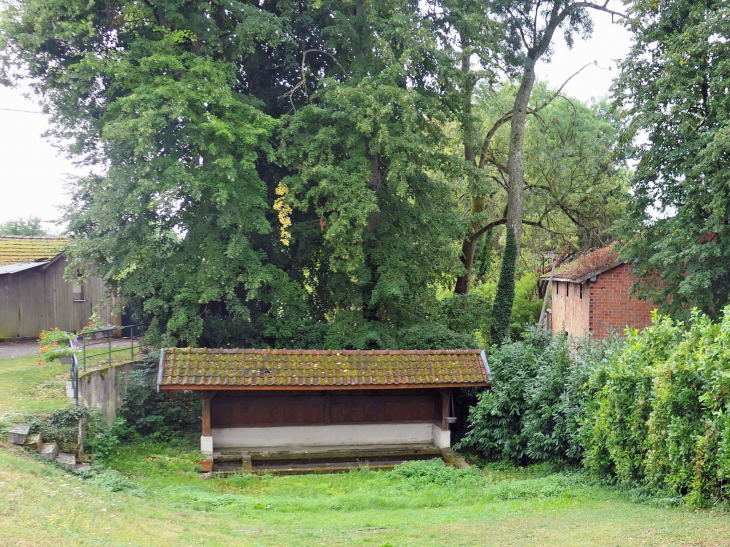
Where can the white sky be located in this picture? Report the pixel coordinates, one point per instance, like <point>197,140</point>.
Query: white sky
<point>33,173</point>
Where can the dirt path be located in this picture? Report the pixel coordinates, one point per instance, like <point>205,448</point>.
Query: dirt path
<point>17,349</point>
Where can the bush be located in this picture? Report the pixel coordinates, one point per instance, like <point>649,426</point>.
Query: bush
<point>62,427</point>
<point>157,416</point>
<point>536,407</point>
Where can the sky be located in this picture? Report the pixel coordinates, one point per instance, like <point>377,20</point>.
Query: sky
<point>33,173</point>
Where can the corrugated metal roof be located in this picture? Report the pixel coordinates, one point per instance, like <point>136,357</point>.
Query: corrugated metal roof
<point>314,369</point>
<point>588,265</point>
<point>26,249</point>
<point>15,268</point>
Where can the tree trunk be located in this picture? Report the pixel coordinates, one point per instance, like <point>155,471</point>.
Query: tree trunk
<point>469,245</point>
<point>515,163</point>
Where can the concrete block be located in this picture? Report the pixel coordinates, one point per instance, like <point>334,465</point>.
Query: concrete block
<point>206,445</point>
<point>83,467</point>
<point>50,451</point>
<point>34,441</point>
<point>66,460</point>
<point>246,464</point>
<point>18,434</point>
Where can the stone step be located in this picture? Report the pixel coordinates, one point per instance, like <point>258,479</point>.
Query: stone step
<point>66,460</point>
<point>18,434</point>
<point>50,451</point>
<point>83,467</point>
<point>34,441</point>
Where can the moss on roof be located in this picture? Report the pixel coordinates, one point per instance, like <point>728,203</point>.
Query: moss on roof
<point>593,263</point>
<point>23,249</point>
<point>247,368</point>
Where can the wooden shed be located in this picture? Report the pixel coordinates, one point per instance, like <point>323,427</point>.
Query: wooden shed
<point>254,399</point>
<point>33,293</point>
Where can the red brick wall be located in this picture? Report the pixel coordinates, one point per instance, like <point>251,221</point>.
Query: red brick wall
<point>611,306</point>
<point>570,312</point>
<point>606,305</point>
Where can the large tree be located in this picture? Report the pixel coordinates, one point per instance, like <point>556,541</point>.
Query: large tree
<point>267,165</point>
<point>529,27</point>
<point>675,86</point>
<point>20,227</point>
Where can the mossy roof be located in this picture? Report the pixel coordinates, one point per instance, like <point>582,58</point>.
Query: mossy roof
<point>200,368</point>
<point>588,265</point>
<point>26,249</point>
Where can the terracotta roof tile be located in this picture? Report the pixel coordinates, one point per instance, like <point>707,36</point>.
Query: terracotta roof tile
<point>592,263</point>
<point>246,368</point>
<point>25,249</point>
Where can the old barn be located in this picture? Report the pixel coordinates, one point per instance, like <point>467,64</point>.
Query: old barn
<point>592,296</point>
<point>256,400</point>
<point>33,293</point>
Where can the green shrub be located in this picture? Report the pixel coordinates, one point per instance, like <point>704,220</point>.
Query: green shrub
<point>62,427</point>
<point>536,406</point>
<point>658,421</point>
<point>157,416</point>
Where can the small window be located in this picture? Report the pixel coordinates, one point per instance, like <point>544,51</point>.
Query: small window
<point>78,291</point>
<point>581,291</point>
<point>567,289</point>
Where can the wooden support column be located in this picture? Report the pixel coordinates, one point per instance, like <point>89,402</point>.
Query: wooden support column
<point>206,398</point>
<point>445,397</point>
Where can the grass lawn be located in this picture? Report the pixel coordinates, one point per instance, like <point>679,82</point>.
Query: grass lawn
<point>165,502</point>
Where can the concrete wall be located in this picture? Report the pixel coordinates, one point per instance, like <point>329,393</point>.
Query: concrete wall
<point>570,308</point>
<point>103,388</point>
<point>612,307</point>
<point>39,299</point>
<point>328,435</point>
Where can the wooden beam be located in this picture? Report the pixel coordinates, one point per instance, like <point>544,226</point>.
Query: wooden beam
<point>445,398</point>
<point>206,398</point>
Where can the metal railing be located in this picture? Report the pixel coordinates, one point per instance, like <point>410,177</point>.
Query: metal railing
<point>89,341</point>
<point>85,343</point>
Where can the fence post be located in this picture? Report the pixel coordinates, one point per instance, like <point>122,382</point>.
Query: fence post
<point>109,337</point>
<point>131,336</point>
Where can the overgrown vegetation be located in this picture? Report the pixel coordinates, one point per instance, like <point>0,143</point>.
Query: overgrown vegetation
<point>152,415</point>
<point>648,412</point>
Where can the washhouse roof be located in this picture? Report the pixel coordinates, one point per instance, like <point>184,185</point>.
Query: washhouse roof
<point>29,250</point>
<point>200,368</point>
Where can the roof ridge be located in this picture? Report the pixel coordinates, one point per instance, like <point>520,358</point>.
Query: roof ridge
<point>300,351</point>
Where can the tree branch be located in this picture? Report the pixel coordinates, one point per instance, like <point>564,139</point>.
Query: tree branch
<point>603,8</point>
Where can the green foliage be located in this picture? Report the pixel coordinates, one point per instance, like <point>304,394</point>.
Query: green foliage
<point>616,434</point>
<point>423,473</point>
<point>659,415</point>
<point>62,427</point>
<point>673,84</point>
<point>504,299</point>
<point>536,406</point>
<point>156,416</point>
<point>19,227</point>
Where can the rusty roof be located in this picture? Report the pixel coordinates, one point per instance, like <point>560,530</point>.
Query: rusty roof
<point>588,265</point>
<point>27,249</point>
<point>200,368</point>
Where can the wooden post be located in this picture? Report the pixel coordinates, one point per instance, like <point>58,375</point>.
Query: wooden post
<point>445,396</point>
<point>206,397</point>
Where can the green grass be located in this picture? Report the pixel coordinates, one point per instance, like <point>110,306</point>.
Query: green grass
<point>164,501</point>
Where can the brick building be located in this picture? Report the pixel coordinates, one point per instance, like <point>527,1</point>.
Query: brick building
<point>591,295</point>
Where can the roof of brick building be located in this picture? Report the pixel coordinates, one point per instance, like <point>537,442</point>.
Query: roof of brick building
<point>200,368</point>
<point>588,265</point>
<point>27,249</point>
